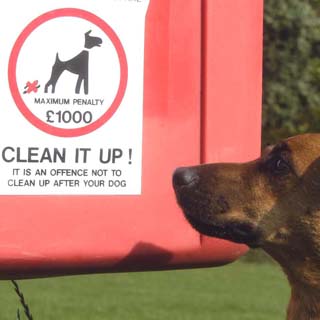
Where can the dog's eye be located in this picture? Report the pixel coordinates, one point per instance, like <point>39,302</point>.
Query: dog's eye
<point>279,166</point>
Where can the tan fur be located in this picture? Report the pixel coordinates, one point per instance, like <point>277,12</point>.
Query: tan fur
<point>272,203</point>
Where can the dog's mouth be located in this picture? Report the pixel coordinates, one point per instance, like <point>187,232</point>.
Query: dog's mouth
<point>211,213</point>
<point>235,231</point>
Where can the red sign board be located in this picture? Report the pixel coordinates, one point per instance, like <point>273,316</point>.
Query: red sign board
<point>184,88</point>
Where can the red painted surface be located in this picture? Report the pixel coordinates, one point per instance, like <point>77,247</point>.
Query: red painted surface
<point>56,235</point>
<point>231,81</point>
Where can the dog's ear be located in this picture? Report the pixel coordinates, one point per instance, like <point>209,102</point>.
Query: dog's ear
<point>311,182</point>
<point>88,32</point>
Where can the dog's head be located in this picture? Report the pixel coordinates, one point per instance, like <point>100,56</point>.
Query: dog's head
<point>91,41</point>
<point>272,202</point>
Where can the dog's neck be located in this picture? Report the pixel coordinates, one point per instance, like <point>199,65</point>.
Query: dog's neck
<point>303,273</point>
<point>304,303</point>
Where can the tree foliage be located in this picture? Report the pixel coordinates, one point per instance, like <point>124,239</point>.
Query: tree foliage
<point>291,99</point>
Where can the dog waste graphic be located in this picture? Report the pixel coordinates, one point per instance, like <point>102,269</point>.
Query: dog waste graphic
<point>72,100</point>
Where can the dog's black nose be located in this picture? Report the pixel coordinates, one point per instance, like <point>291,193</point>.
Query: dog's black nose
<point>184,177</point>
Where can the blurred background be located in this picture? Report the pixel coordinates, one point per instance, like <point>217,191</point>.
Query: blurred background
<point>253,287</point>
<point>291,72</point>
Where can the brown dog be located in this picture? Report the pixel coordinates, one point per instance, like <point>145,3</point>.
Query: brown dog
<point>272,203</point>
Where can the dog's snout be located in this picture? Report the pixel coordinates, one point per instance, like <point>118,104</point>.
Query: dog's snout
<point>184,177</point>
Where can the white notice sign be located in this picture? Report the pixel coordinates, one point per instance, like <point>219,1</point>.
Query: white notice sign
<point>72,97</point>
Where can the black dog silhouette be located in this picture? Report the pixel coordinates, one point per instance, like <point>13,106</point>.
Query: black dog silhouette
<point>78,65</point>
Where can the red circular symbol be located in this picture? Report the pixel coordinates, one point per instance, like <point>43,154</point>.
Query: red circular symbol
<point>63,132</point>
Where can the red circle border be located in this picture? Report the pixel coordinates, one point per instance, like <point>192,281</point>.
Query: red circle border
<point>67,12</point>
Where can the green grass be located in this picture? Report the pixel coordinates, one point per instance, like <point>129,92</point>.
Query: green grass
<point>240,291</point>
